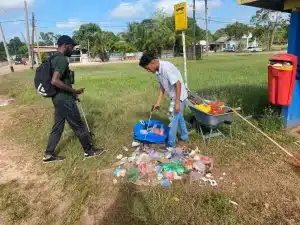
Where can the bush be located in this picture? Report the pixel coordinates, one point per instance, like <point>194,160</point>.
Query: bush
<point>44,56</point>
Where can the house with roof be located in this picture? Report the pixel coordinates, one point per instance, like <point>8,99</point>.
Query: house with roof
<point>222,43</point>
<point>227,43</point>
<point>78,54</point>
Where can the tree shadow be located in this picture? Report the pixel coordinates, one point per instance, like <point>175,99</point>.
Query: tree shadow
<point>253,99</point>
<point>129,207</point>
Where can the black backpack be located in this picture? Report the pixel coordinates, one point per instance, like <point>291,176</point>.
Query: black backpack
<point>43,77</point>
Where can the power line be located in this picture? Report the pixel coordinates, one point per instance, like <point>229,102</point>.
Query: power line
<point>12,21</point>
<point>220,21</point>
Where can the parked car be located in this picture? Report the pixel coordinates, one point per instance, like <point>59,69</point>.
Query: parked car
<point>229,49</point>
<point>253,49</point>
<point>18,61</point>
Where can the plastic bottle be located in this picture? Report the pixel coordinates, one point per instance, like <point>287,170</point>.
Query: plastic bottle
<point>199,166</point>
<point>156,155</point>
<point>171,109</point>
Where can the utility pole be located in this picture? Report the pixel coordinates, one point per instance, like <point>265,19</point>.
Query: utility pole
<point>206,9</point>
<point>38,45</point>
<point>32,40</point>
<point>6,50</point>
<point>88,49</point>
<point>194,30</point>
<point>27,30</point>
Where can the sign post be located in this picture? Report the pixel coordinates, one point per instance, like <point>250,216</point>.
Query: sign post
<point>180,13</point>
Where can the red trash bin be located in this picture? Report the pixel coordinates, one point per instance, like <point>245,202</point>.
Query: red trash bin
<point>281,78</point>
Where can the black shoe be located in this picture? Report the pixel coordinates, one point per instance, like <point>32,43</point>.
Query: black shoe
<point>93,152</point>
<point>52,158</point>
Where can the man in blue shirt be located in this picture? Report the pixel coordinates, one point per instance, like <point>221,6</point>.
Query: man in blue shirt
<point>171,83</point>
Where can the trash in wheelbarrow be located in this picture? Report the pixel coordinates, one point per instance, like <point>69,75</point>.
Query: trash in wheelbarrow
<point>213,108</point>
<point>212,114</point>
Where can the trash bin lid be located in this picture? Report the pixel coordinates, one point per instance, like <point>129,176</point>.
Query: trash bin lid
<point>284,57</point>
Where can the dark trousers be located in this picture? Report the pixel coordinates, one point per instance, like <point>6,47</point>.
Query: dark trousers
<point>67,110</point>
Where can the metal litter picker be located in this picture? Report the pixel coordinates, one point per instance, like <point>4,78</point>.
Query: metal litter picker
<point>85,120</point>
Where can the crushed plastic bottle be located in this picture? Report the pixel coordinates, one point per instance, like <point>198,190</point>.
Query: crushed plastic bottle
<point>155,155</point>
<point>199,166</point>
<point>143,158</point>
<point>143,168</point>
<point>174,167</point>
<point>165,182</point>
<point>121,162</point>
<point>117,171</point>
<point>133,174</point>
<point>122,173</point>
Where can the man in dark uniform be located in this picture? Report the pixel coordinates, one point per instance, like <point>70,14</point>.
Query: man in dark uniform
<point>65,103</point>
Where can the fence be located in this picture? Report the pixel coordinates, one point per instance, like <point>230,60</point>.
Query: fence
<point>167,54</point>
<point>125,56</point>
<point>189,52</point>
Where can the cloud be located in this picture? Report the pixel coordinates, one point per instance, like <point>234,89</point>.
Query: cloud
<point>168,5</point>
<point>70,24</point>
<point>131,9</point>
<point>14,4</point>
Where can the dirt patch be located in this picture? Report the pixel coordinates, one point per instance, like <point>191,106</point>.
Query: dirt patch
<point>18,68</point>
<point>17,164</point>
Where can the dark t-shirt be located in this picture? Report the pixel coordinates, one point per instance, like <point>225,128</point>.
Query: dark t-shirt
<point>61,65</point>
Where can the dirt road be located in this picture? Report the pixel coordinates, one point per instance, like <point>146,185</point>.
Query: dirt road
<point>4,69</point>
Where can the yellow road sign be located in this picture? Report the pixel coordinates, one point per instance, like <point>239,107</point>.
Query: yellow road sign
<point>180,17</point>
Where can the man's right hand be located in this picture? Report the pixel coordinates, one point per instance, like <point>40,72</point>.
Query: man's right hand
<point>156,106</point>
<point>78,91</point>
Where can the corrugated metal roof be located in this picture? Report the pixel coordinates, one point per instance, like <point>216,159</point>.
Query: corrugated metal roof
<point>223,39</point>
<point>277,5</point>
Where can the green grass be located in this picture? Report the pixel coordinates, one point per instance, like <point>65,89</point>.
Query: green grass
<point>13,204</point>
<point>119,95</point>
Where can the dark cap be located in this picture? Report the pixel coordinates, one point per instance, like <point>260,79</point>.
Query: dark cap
<point>65,39</point>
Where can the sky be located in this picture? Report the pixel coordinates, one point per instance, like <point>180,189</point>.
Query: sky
<point>66,16</point>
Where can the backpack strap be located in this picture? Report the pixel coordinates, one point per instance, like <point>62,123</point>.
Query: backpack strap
<point>51,57</point>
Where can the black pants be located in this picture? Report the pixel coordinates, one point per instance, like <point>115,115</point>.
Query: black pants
<point>67,110</point>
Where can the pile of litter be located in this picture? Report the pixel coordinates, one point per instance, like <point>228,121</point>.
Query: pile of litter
<point>148,167</point>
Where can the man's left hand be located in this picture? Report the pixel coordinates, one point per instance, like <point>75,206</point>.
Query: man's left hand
<point>177,107</point>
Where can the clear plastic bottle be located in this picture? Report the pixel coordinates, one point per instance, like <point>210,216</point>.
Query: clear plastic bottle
<point>155,155</point>
<point>171,109</point>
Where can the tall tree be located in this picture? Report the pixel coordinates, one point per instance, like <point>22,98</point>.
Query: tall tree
<point>47,38</point>
<point>100,42</point>
<point>14,46</point>
<point>269,21</point>
<point>2,52</point>
<point>219,33</point>
<point>87,32</point>
<point>158,33</point>
<point>237,30</point>
<point>123,47</point>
